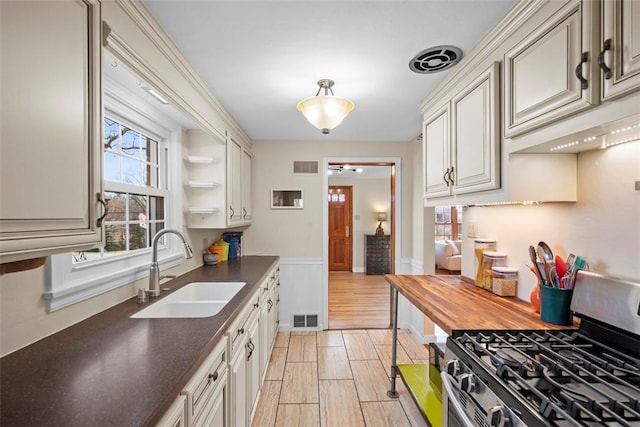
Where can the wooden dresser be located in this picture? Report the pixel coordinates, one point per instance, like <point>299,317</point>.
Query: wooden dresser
<point>377,254</point>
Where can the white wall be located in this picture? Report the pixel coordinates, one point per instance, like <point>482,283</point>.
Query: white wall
<point>603,225</point>
<point>370,196</point>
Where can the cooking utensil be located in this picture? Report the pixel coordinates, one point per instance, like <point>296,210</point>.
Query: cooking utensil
<point>534,259</point>
<point>546,255</point>
<point>561,270</point>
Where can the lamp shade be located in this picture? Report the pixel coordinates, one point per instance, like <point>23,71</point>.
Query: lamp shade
<point>382,216</point>
<point>325,112</point>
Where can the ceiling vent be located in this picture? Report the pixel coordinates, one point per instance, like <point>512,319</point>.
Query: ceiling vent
<point>435,59</point>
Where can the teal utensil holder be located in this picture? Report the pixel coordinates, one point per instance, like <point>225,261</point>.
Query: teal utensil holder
<point>555,305</point>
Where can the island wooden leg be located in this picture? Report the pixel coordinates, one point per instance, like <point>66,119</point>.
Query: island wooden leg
<point>394,343</point>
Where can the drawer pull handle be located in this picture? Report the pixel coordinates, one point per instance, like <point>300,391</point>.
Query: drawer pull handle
<point>231,212</point>
<point>213,377</point>
<point>270,304</point>
<point>603,65</point>
<point>240,331</point>
<point>584,84</point>
<point>102,201</point>
<point>251,347</point>
<point>445,178</point>
<point>256,305</point>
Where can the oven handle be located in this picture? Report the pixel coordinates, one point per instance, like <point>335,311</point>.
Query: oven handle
<point>450,397</point>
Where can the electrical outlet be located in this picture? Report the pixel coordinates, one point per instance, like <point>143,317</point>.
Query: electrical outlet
<point>472,229</point>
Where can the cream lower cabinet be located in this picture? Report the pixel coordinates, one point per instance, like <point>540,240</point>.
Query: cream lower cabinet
<point>208,391</point>
<point>244,345</point>
<point>51,133</point>
<point>175,416</point>
<point>620,50</point>
<point>461,140</point>
<point>269,313</point>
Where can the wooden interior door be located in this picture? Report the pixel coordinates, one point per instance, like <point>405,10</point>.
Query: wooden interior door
<point>340,228</point>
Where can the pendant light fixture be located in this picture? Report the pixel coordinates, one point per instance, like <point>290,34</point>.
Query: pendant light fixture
<point>325,111</point>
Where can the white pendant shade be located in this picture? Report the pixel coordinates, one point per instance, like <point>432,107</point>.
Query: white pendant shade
<point>325,112</point>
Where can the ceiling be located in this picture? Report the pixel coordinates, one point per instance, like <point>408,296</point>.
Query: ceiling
<point>260,58</point>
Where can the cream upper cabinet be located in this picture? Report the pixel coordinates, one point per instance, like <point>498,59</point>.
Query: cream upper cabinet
<point>620,52</point>
<point>234,177</point>
<point>475,142</point>
<point>246,186</point>
<point>238,183</point>
<point>462,152</point>
<point>51,133</point>
<point>435,140</point>
<point>550,74</point>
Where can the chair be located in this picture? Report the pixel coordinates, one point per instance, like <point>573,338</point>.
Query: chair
<point>449,254</point>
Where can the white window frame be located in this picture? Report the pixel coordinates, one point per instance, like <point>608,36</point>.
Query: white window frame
<point>69,283</point>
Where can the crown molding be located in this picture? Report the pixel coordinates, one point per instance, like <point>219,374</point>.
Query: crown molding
<point>145,21</point>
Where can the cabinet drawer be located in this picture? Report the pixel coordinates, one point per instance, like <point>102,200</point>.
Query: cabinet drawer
<point>201,386</point>
<point>239,328</point>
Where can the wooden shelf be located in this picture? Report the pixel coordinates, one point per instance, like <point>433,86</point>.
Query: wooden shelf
<point>423,390</point>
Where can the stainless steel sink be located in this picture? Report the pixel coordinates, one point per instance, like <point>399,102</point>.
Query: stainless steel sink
<point>197,299</point>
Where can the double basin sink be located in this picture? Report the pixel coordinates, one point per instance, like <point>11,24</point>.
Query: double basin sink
<point>196,299</point>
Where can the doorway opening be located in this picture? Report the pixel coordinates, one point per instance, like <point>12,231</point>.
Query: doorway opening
<point>360,247</point>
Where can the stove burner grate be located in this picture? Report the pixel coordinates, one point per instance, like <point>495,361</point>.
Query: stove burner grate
<point>566,377</point>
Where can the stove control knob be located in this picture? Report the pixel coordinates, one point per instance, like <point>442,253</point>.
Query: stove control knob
<point>453,367</point>
<point>498,416</point>
<point>467,382</point>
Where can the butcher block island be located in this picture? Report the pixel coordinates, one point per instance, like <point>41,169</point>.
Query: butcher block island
<point>453,305</point>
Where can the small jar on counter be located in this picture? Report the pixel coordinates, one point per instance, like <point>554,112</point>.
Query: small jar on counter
<point>491,259</point>
<point>504,281</point>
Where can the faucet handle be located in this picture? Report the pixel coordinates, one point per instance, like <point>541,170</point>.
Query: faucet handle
<point>168,276</point>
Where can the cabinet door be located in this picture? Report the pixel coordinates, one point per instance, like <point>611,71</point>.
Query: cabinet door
<point>51,115</point>
<point>175,416</point>
<point>238,382</point>
<point>541,84</point>
<point>475,136</point>
<point>435,148</point>
<point>246,186</point>
<point>216,411</point>
<point>254,380</point>
<point>621,47</point>
<point>234,182</point>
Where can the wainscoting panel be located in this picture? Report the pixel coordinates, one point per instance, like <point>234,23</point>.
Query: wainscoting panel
<point>301,291</point>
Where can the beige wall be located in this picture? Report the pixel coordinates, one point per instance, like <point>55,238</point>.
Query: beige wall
<point>297,233</point>
<point>369,197</point>
<point>603,225</point>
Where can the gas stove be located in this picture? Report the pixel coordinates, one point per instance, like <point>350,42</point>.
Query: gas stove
<point>584,377</point>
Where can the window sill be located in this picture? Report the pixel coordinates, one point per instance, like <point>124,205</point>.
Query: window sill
<point>103,279</point>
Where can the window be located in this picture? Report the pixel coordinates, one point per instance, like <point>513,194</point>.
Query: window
<point>141,165</point>
<point>133,190</point>
<point>445,227</point>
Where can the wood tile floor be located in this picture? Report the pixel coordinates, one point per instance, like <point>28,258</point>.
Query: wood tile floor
<point>337,378</point>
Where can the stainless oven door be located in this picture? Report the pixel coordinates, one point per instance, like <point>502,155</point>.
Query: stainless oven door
<point>454,413</point>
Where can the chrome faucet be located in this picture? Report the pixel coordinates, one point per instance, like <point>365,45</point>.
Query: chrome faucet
<point>154,273</point>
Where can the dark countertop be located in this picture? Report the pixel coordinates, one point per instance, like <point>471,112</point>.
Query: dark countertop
<point>111,370</point>
<point>455,305</point>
